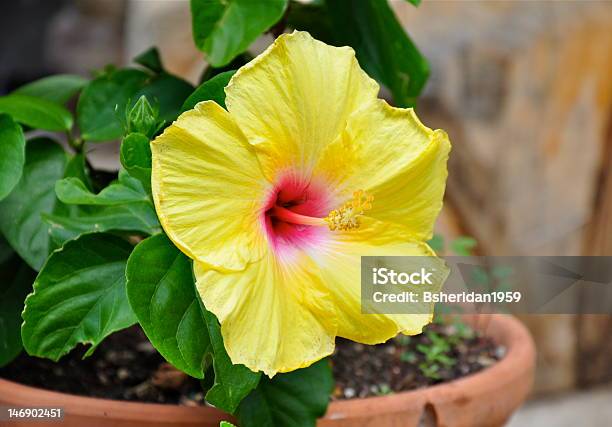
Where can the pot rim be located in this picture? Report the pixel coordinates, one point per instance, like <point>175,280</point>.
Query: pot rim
<point>503,329</point>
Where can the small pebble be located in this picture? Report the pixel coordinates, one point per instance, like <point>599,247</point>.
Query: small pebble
<point>349,392</point>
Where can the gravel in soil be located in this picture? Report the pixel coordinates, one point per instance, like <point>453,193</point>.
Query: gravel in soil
<point>126,367</point>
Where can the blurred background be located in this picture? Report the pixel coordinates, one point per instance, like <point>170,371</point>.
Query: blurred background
<point>523,89</point>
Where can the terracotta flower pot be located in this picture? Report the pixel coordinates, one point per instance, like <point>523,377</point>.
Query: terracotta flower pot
<point>485,399</point>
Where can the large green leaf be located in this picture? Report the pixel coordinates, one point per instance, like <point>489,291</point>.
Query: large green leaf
<point>295,399</point>
<point>103,102</point>
<point>161,292</point>
<point>59,88</point>
<point>34,195</point>
<point>102,105</point>
<point>225,28</point>
<point>135,155</point>
<point>15,283</point>
<point>122,206</point>
<point>382,46</point>
<point>79,297</point>
<point>12,154</point>
<point>37,113</point>
<point>212,89</point>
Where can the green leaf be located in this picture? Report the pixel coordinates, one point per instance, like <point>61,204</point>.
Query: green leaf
<point>382,46</point>
<point>15,283</point>
<point>162,294</point>
<point>311,17</point>
<point>79,297</point>
<point>59,88</point>
<point>36,113</point>
<point>132,219</point>
<point>436,243</point>
<point>232,382</point>
<point>226,424</point>
<point>295,399</point>
<point>212,89</point>
<point>239,61</point>
<point>103,102</point>
<point>225,28</point>
<point>73,191</point>
<point>75,168</point>
<point>463,245</point>
<point>122,206</point>
<point>150,59</point>
<point>12,154</point>
<point>135,156</point>
<point>20,212</point>
<point>168,92</point>
<point>415,3</point>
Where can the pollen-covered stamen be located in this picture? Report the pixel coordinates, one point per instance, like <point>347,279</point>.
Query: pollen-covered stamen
<point>346,218</point>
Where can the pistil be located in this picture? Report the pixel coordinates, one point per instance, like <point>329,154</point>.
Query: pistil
<point>345,218</point>
<point>295,218</point>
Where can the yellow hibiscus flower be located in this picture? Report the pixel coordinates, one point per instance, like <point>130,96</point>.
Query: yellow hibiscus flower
<point>276,199</point>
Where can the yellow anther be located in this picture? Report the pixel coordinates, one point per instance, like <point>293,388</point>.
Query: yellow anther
<point>347,217</point>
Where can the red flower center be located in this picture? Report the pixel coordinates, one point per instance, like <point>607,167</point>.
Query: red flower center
<point>294,212</point>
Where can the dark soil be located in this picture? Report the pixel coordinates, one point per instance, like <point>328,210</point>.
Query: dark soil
<point>443,352</point>
<point>126,367</point>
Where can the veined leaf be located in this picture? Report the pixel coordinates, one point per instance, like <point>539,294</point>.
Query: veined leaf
<point>73,191</point>
<point>122,206</point>
<point>20,212</point>
<point>59,88</point>
<point>79,297</point>
<point>37,113</point>
<point>12,154</point>
<point>225,28</point>
<point>162,293</point>
<point>102,103</point>
<point>294,399</point>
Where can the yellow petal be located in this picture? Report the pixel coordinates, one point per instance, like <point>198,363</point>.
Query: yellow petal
<point>340,265</point>
<point>275,317</point>
<point>294,99</point>
<point>391,155</point>
<point>207,186</point>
